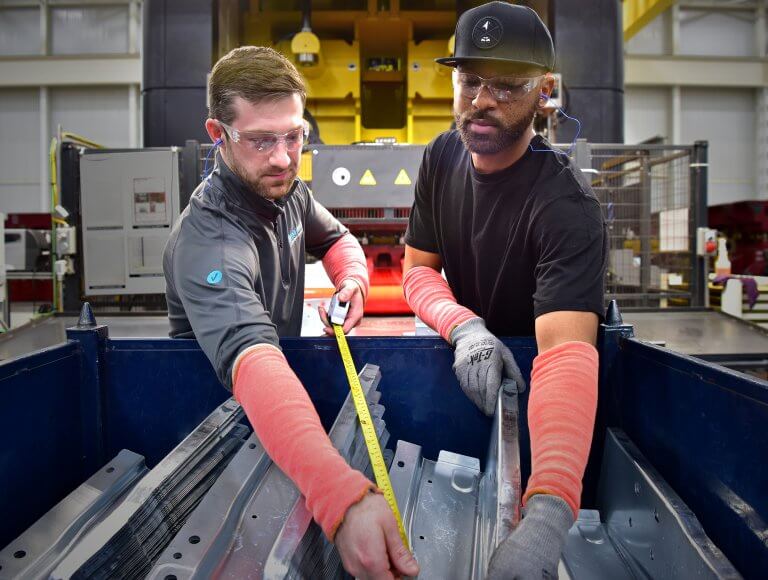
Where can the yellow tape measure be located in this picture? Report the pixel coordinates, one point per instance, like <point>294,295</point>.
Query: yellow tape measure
<point>369,431</point>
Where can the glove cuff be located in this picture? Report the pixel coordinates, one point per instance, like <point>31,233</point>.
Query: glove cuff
<point>466,328</point>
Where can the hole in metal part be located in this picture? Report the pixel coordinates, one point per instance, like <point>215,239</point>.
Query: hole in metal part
<point>170,577</point>
<point>429,481</point>
<point>401,464</point>
<point>19,554</point>
<point>630,522</point>
<point>656,515</point>
<point>251,446</point>
<point>110,469</point>
<point>194,539</point>
<point>254,516</point>
<point>421,537</point>
<point>177,556</point>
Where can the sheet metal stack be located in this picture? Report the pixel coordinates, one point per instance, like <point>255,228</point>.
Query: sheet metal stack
<point>128,540</point>
<point>254,524</point>
<point>117,522</point>
<point>39,550</point>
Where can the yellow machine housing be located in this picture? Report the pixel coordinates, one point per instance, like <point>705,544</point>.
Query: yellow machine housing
<point>369,64</point>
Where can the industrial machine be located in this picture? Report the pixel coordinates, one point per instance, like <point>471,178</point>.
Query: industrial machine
<point>672,488</point>
<point>375,95</point>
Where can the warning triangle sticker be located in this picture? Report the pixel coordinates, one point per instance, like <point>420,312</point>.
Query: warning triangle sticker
<point>367,178</point>
<point>402,178</point>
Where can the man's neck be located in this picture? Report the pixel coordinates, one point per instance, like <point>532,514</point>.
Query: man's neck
<point>491,163</point>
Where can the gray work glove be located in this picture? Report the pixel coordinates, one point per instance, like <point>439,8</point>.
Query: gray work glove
<point>480,362</point>
<point>533,550</point>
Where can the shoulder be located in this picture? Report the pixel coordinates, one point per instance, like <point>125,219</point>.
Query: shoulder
<point>563,192</point>
<point>207,221</point>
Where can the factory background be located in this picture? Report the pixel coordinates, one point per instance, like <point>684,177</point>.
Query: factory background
<point>102,105</point>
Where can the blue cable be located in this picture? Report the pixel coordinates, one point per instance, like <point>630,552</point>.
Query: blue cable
<point>207,157</point>
<point>573,143</point>
<point>205,174</point>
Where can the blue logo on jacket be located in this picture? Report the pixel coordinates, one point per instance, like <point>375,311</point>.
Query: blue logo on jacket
<point>295,233</point>
<point>214,277</point>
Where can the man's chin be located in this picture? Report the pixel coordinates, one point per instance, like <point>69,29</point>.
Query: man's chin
<point>274,192</point>
<point>481,144</point>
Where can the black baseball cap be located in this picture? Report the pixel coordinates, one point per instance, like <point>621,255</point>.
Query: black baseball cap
<point>502,32</point>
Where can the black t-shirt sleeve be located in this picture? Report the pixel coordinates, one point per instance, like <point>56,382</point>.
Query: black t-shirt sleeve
<point>572,256</point>
<point>421,223</point>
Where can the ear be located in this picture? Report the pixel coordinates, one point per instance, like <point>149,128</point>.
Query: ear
<point>213,128</point>
<point>546,88</point>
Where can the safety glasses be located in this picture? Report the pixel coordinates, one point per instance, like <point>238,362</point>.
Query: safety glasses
<point>503,89</point>
<point>265,142</point>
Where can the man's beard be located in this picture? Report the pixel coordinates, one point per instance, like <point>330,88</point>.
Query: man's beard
<point>257,186</point>
<point>506,136</point>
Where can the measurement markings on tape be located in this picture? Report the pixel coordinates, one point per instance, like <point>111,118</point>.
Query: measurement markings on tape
<point>369,431</point>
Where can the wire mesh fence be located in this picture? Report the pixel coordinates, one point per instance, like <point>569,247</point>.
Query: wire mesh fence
<point>650,199</point>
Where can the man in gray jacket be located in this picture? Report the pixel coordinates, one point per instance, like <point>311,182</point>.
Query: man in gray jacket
<point>234,267</point>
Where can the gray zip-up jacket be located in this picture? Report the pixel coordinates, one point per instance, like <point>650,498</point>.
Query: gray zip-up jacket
<point>234,265</point>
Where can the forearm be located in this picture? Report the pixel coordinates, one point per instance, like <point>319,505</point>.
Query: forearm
<point>561,419</point>
<point>431,299</point>
<point>345,260</point>
<point>286,423</point>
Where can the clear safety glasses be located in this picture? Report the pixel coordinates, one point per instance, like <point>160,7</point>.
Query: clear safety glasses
<point>503,89</point>
<point>264,142</point>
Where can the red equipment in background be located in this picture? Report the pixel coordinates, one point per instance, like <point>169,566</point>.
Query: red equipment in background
<point>31,289</point>
<point>745,224</point>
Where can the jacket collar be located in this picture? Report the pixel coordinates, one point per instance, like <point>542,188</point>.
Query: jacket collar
<point>243,197</point>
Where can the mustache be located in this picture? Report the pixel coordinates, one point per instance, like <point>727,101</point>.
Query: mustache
<point>469,116</point>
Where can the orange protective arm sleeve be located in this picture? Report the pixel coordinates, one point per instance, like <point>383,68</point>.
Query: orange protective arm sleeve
<point>345,260</point>
<point>286,423</point>
<point>561,418</point>
<point>430,297</point>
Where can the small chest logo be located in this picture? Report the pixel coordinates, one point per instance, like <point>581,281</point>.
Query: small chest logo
<point>295,233</point>
<point>214,277</point>
<point>487,33</point>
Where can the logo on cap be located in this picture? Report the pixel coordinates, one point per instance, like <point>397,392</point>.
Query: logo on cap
<point>487,32</point>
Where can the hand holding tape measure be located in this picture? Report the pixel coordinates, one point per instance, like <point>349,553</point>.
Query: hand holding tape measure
<point>350,294</point>
<point>337,313</point>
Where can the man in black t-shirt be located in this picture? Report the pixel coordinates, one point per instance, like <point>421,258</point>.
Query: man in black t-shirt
<point>521,238</point>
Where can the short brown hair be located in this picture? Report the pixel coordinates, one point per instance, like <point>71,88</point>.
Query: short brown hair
<point>254,73</point>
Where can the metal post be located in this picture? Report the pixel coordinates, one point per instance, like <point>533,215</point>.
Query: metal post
<point>698,218</point>
<point>92,339</point>
<point>645,227</point>
<point>5,322</point>
<point>582,155</point>
<point>610,336</point>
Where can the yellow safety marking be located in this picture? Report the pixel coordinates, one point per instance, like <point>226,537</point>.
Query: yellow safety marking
<point>402,178</point>
<point>369,431</point>
<point>368,178</point>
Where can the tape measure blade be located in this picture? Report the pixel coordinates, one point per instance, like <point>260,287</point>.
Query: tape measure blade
<point>369,433</point>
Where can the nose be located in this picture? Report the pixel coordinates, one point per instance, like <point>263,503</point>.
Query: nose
<point>484,99</point>
<point>279,156</point>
